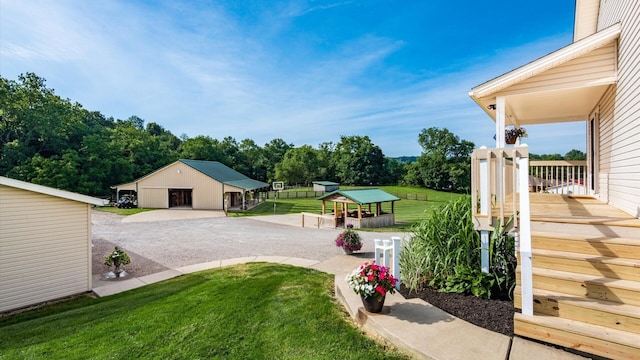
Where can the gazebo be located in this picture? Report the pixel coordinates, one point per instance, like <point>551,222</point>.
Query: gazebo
<point>365,216</point>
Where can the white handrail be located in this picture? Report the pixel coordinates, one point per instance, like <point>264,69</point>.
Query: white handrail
<point>495,174</point>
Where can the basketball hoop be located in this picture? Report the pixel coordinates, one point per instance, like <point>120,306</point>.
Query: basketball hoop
<point>277,186</point>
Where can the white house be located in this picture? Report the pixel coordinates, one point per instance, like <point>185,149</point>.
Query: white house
<point>579,255</point>
<point>45,243</point>
<point>595,80</point>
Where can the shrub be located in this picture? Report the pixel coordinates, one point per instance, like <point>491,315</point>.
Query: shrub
<point>444,253</point>
<point>444,240</point>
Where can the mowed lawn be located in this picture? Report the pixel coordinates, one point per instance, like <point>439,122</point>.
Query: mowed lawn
<point>250,311</point>
<point>408,211</point>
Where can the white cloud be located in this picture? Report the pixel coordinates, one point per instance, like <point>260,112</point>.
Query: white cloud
<point>200,72</point>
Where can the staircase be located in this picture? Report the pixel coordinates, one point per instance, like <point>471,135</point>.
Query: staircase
<point>586,287</point>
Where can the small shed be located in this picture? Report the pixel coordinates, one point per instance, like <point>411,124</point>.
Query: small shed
<point>45,243</point>
<point>364,216</point>
<point>325,186</point>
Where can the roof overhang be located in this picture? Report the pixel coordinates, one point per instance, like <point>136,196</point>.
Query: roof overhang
<point>52,191</point>
<point>562,86</point>
<point>359,196</point>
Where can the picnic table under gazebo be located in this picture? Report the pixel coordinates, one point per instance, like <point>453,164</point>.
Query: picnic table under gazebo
<point>364,215</point>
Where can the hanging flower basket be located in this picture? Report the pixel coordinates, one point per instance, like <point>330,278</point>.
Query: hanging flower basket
<point>512,135</point>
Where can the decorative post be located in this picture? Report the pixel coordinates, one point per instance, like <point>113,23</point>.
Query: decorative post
<point>396,259</point>
<point>387,249</point>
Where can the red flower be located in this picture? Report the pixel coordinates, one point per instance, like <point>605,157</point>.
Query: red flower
<point>381,290</point>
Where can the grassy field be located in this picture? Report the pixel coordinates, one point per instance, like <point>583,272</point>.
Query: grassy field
<point>250,311</point>
<point>407,211</point>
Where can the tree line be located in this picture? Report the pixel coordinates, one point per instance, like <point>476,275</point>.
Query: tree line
<point>52,141</point>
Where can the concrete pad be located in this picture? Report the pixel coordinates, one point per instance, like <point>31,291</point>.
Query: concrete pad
<point>236,261</point>
<point>199,267</point>
<point>344,264</point>
<point>522,349</point>
<point>270,259</point>
<point>306,263</point>
<point>285,219</point>
<point>424,330</point>
<point>161,276</point>
<point>116,287</point>
<point>169,214</point>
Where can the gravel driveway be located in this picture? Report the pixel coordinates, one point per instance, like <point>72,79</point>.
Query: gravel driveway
<point>158,245</point>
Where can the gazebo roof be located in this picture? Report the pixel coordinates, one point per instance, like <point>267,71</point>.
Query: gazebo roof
<point>360,196</point>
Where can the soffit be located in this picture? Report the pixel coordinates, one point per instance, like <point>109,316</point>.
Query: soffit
<point>563,95</point>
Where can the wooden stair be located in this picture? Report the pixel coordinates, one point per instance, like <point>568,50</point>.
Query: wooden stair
<point>586,291</point>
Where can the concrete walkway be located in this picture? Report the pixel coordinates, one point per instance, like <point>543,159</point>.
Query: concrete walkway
<point>418,328</point>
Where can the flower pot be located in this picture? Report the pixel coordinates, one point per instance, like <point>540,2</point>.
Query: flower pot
<point>116,264</point>
<point>372,304</point>
<point>347,251</point>
<point>511,139</point>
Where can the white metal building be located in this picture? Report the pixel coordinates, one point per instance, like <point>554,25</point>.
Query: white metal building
<point>45,243</point>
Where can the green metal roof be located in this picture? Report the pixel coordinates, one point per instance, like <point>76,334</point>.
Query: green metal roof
<point>326,183</point>
<point>361,196</point>
<point>224,174</point>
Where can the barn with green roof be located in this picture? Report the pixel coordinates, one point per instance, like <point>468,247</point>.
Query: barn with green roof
<point>195,184</point>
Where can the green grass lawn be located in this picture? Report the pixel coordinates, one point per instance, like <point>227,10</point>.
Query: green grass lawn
<point>119,211</point>
<point>250,311</point>
<point>407,211</point>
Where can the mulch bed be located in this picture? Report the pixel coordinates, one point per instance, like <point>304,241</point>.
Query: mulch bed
<point>494,315</point>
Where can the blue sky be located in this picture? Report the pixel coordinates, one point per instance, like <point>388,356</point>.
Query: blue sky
<point>303,71</point>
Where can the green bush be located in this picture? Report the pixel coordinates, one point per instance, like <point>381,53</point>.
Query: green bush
<point>502,260</point>
<point>444,253</point>
<point>469,281</point>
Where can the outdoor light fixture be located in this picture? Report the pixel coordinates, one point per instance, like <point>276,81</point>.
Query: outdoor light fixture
<point>491,106</point>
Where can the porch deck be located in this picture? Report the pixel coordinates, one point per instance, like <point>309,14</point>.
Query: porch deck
<point>586,279</point>
<point>571,209</point>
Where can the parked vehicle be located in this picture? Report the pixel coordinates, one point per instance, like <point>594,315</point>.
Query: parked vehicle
<point>127,202</point>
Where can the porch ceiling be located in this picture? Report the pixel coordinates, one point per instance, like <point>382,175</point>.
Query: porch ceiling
<point>562,86</point>
<point>552,106</point>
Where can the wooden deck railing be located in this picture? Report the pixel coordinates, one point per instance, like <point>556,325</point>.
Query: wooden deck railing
<point>499,189</point>
<point>560,177</point>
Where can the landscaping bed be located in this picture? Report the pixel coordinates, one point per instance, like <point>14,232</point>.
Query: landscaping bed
<point>494,315</point>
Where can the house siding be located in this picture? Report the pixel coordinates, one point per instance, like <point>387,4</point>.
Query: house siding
<point>586,18</point>
<point>45,248</point>
<point>153,190</point>
<point>587,69</point>
<point>620,126</point>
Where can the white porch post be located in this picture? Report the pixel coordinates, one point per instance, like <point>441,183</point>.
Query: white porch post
<point>500,144</point>
<point>500,121</point>
<point>526,274</point>
<point>485,209</point>
<point>484,251</point>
